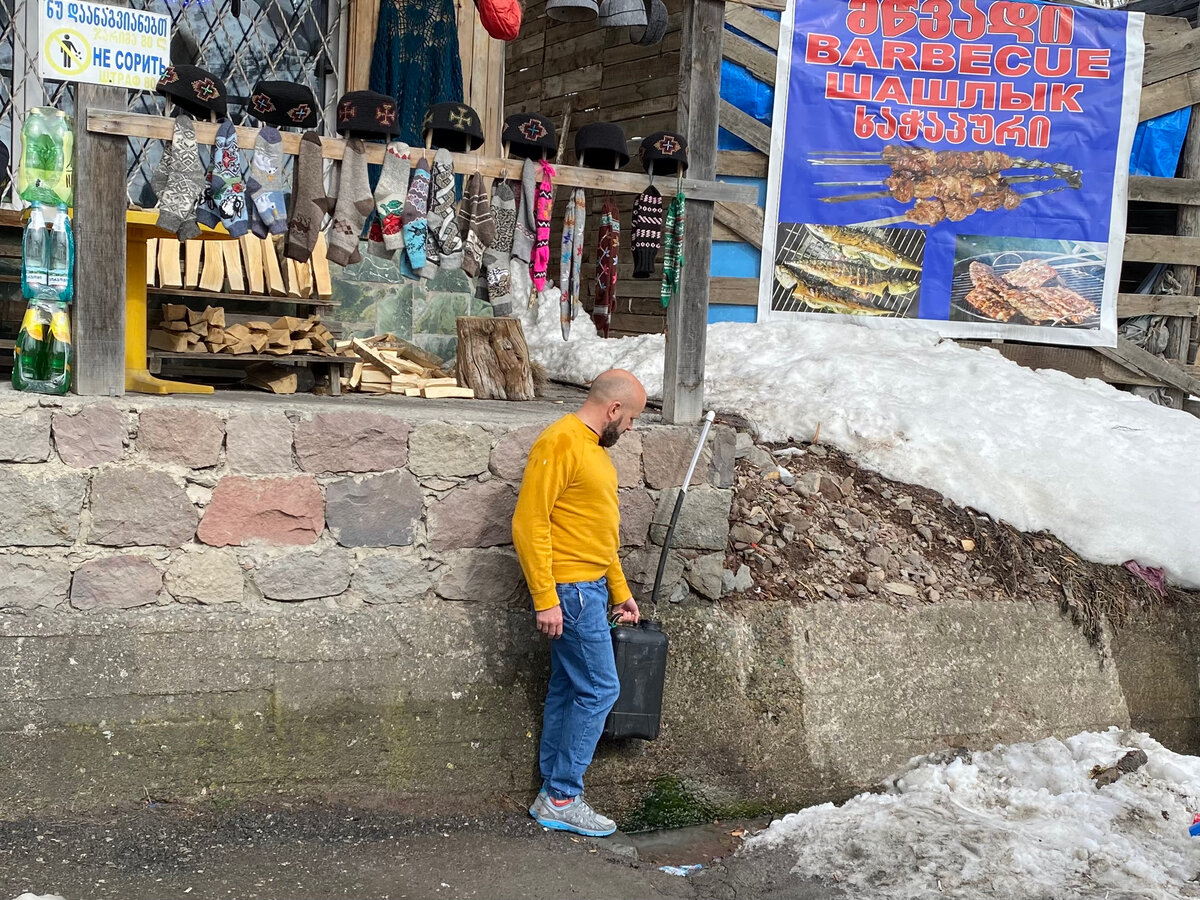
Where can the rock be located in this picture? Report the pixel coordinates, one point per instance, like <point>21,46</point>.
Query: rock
<point>705,575</point>
<point>800,522</point>
<point>449,450</point>
<point>787,533</point>
<point>829,488</point>
<point>511,452</point>
<point>925,533</point>
<point>904,503</point>
<point>352,442</point>
<point>745,534</point>
<point>902,588</point>
<point>626,456</point>
<point>305,575</point>
<point>206,576</point>
<point>393,577</point>
<point>874,582</point>
<point>848,484</point>
<point>271,510</point>
<point>703,522</point>
<point>678,594</point>
<point>786,477</point>
<point>40,508</point>
<point>637,512</point>
<point>760,459</point>
<point>259,443</point>
<point>856,520</point>
<point>25,436</point>
<point>666,454</point>
<point>115,582</point>
<point>878,557</point>
<point>742,444</point>
<point>858,576</point>
<point>374,510</point>
<point>826,541</point>
<point>474,515</point>
<point>934,595</point>
<point>738,583</point>
<point>191,438</point>
<point>91,437</point>
<point>641,568</point>
<point>721,472</point>
<point>931,577</point>
<point>139,507</point>
<point>816,450</point>
<point>33,582</point>
<point>488,576</point>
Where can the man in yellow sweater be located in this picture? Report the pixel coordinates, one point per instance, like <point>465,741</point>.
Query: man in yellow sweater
<point>566,531</point>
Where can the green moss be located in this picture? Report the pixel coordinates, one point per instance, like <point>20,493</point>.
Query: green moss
<point>669,805</point>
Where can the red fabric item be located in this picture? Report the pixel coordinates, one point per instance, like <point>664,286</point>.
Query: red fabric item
<point>604,298</point>
<point>501,18</point>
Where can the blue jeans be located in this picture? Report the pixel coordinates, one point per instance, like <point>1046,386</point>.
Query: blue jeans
<point>583,687</point>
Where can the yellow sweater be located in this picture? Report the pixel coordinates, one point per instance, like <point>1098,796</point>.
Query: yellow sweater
<point>566,526</point>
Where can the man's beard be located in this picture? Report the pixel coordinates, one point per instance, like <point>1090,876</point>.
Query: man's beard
<point>610,435</point>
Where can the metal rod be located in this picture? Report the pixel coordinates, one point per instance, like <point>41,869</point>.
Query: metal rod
<point>687,479</point>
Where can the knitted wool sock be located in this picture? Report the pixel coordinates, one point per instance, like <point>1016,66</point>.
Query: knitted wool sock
<point>258,227</point>
<point>390,194</point>
<point>543,209</point>
<point>184,183</point>
<point>267,181</point>
<point>604,298</point>
<point>526,223</point>
<point>647,231</point>
<point>475,220</point>
<point>228,189</point>
<point>309,201</point>
<point>498,257</point>
<point>375,245</point>
<point>572,258</point>
<point>443,225</point>
<point>158,181</point>
<point>673,251</point>
<point>207,213</point>
<point>354,204</point>
<point>415,226</point>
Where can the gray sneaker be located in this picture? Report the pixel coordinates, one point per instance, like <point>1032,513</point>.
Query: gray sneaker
<point>535,808</point>
<point>576,816</point>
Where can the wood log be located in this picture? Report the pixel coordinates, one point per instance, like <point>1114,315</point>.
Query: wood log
<point>196,317</point>
<point>168,340</point>
<point>175,312</point>
<point>215,315</point>
<point>174,326</point>
<point>493,359</point>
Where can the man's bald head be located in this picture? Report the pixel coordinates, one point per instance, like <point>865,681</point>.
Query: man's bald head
<point>614,402</point>
<point>617,384</point>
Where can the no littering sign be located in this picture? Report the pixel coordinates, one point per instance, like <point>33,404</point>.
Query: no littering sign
<point>98,44</point>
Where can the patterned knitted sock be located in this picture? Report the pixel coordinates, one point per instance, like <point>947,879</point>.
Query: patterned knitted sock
<point>184,183</point>
<point>673,251</point>
<point>267,181</point>
<point>443,225</point>
<point>207,213</point>
<point>258,227</point>
<point>543,209</point>
<point>390,194</point>
<point>475,220</point>
<point>354,204</point>
<point>309,201</point>
<point>647,231</point>
<point>158,180</point>
<point>415,227</point>
<point>228,189</point>
<point>580,201</point>
<point>526,224</point>
<point>498,257</point>
<point>604,297</point>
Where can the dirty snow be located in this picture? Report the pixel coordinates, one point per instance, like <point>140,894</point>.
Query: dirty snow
<point>1113,476</point>
<point>1020,821</point>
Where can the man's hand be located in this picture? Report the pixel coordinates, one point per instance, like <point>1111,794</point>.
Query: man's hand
<point>626,613</point>
<point>549,621</point>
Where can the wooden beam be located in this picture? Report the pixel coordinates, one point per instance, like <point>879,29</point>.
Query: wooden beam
<point>752,164</point>
<point>760,63</point>
<point>1130,305</point>
<point>1162,248</point>
<point>743,220</point>
<point>100,248</point>
<point>745,126</point>
<point>160,127</point>
<point>1170,95</point>
<point>775,5</point>
<point>1159,27</point>
<point>1080,362</point>
<point>1170,56</point>
<point>1133,356</point>
<point>1164,190</point>
<point>687,316</point>
<point>762,28</point>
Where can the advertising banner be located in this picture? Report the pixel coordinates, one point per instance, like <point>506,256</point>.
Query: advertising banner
<point>98,44</point>
<point>961,164</point>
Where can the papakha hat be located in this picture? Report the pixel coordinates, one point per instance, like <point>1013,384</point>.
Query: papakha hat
<point>572,10</point>
<point>196,91</point>
<point>367,113</point>
<point>656,25</point>
<point>601,145</point>
<point>615,13</point>
<point>530,136</point>
<point>454,126</point>
<point>666,149</point>
<point>283,104</point>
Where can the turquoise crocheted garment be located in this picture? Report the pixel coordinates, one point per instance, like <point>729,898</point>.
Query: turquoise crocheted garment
<point>416,60</point>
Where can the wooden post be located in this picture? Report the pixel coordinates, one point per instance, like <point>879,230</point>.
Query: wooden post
<point>100,201</point>
<point>1188,225</point>
<point>699,105</point>
<point>360,43</point>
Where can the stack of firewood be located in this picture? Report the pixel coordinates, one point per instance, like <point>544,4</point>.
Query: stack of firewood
<point>186,330</point>
<point>391,365</point>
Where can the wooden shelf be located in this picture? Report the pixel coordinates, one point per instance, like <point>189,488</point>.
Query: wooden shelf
<point>253,357</point>
<point>252,298</point>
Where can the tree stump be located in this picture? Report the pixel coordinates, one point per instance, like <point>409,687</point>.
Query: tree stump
<point>493,358</point>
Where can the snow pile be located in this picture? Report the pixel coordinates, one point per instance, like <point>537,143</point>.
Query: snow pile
<point>1113,476</point>
<point>1018,821</point>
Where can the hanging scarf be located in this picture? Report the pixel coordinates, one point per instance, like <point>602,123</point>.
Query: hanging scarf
<point>543,209</point>
<point>604,298</point>
<point>571,261</point>
<point>673,250</point>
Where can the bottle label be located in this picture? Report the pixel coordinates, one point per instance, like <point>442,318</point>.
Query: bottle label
<point>32,325</point>
<point>35,276</point>
<point>60,327</point>
<point>57,281</point>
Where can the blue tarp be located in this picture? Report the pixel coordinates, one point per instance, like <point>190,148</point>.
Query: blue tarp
<point>1158,143</point>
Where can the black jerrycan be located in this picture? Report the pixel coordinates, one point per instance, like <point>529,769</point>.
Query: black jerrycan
<point>641,655</point>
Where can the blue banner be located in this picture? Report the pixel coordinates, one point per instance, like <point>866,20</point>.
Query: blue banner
<point>957,163</point>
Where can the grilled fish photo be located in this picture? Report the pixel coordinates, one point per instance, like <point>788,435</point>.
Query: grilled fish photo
<point>860,279</point>
<point>859,245</point>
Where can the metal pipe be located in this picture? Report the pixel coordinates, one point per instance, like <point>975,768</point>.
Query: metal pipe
<point>687,479</point>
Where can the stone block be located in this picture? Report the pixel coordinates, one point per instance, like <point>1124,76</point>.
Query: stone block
<point>626,455</point>
<point>352,442</point>
<point>306,575</point>
<point>393,577</point>
<point>440,448</point>
<point>33,582</point>
<point>641,568</point>
<point>205,575</point>
<point>139,507</point>
<point>180,436</point>
<point>666,453</point>
<point>91,437</point>
<point>115,582</point>
<point>375,510</point>
<point>723,441</point>
<point>270,510</point>
<point>512,450</point>
<point>705,575</point>
<point>637,512</point>
<point>488,576</point>
<point>41,507</point>
<point>703,522</point>
<point>474,515</point>
<point>25,436</point>
<point>258,443</point>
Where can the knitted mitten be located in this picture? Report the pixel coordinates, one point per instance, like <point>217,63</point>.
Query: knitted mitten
<point>497,257</point>
<point>443,225</point>
<point>354,204</point>
<point>267,181</point>
<point>647,231</point>
<point>415,225</point>
<point>604,298</point>
<point>309,201</point>
<point>543,209</point>
<point>184,183</point>
<point>526,223</point>
<point>475,220</point>
<point>390,194</point>
<point>228,189</point>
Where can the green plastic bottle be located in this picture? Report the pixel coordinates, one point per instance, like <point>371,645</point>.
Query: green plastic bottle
<point>42,356</point>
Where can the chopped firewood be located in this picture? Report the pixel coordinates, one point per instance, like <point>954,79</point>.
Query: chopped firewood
<point>356,375</point>
<point>259,326</point>
<point>200,328</point>
<point>301,344</point>
<point>198,347</point>
<point>214,347</point>
<point>192,251</point>
<point>169,341</point>
<point>399,362</point>
<point>252,255</point>
<point>374,389</point>
<point>438,382</point>
<point>195,316</point>
<point>151,261</point>
<point>174,312</point>
<point>372,356</point>
<point>374,376</point>
<point>174,326</point>
<point>233,266</point>
<point>238,331</point>
<point>292,324</point>
<point>215,315</point>
<point>259,342</point>
<point>216,335</point>
<point>169,274</point>
<point>322,282</point>
<point>242,346</point>
<point>412,392</point>
<point>279,337</point>
<point>274,277</point>
<point>212,276</point>
<point>443,391</point>
<point>278,379</point>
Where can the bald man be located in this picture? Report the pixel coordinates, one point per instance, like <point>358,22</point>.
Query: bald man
<point>566,531</point>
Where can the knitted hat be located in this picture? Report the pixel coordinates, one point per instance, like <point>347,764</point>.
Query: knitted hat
<point>666,149</point>
<point>615,13</point>
<point>194,90</point>
<point>453,126</point>
<point>530,136</point>
<point>283,104</point>
<point>601,145</point>
<point>368,114</point>
<point>572,10</point>
<point>656,24</point>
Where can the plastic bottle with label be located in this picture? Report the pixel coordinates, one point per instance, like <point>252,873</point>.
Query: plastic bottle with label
<point>45,174</point>
<point>42,356</point>
<point>35,251</point>
<point>60,267</point>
